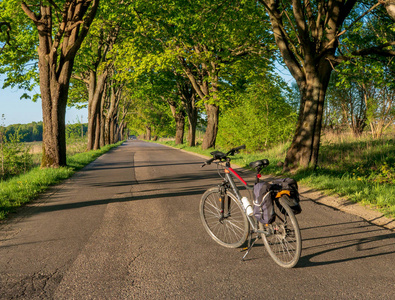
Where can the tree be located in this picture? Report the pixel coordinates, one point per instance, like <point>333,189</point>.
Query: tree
<point>307,35</point>
<point>189,101</point>
<point>345,106</point>
<point>58,46</point>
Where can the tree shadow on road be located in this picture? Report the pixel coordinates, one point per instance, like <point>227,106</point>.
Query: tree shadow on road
<point>345,242</point>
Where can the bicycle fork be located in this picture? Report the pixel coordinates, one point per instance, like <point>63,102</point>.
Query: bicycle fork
<point>225,204</point>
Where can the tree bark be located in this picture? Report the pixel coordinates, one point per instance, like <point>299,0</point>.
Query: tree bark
<point>56,54</point>
<point>212,126</point>
<point>179,116</point>
<point>188,98</point>
<point>192,122</point>
<point>111,114</point>
<point>147,132</point>
<point>94,108</point>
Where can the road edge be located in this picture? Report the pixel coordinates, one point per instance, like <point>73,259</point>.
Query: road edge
<point>336,202</point>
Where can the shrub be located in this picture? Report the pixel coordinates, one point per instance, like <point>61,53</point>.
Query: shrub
<point>260,118</point>
<point>14,156</point>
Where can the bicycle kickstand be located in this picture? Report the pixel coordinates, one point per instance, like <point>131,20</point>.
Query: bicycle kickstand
<point>250,245</point>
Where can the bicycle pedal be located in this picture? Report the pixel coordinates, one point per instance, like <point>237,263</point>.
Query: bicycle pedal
<point>244,249</point>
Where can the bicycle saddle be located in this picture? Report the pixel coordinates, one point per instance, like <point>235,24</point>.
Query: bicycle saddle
<point>259,164</point>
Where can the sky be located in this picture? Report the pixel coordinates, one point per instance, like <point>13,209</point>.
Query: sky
<point>24,111</point>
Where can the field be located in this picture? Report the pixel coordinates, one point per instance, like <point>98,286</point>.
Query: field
<point>73,147</point>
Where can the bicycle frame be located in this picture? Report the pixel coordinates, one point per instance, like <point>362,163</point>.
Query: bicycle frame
<point>229,180</point>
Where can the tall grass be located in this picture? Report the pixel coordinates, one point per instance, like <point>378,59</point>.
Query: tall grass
<point>23,188</point>
<point>359,169</point>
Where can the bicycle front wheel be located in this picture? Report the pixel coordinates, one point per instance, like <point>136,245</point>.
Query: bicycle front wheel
<point>283,239</point>
<point>232,229</point>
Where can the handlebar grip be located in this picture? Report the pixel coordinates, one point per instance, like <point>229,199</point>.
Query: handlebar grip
<point>208,162</point>
<point>240,147</point>
<point>235,150</point>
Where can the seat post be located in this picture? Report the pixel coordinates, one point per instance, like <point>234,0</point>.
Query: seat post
<point>258,170</point>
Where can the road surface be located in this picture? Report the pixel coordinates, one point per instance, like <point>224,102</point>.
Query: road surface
<point>127,227</point>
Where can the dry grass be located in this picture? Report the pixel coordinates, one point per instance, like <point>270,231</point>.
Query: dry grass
<point>76,146</point>
<point>73,147</point>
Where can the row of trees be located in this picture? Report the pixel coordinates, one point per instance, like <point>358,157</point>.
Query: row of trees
<point>33,132</point>
<point>362,92</point>
<point>148,63</point>
<point>26,132</point>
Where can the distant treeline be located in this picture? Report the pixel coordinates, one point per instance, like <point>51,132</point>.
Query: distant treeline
<point>33,132</point>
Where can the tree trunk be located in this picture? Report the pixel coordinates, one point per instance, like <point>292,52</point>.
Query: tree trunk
<point>113,129</point>
<point>212,126</point>
<point>54,99</point>
<point>192,121</point>
<point>188,96</point>
<point>179,116</point>
<point>111,114</point>
<point>94,108</point>
<point>56,53</point>
<point>304,148</point>
<point>96,145</point>
<point>97,89</point>
<point>207,91</point>
<point>103,121</point>
<point>147,132</point>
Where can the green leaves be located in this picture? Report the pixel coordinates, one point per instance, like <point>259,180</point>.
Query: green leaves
<point>259,118</point>
<point>19,59</point>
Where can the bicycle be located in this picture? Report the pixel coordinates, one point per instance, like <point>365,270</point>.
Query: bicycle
<point>227,221</point>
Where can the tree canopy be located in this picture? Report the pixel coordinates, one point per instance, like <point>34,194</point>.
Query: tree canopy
<point>158,67</point>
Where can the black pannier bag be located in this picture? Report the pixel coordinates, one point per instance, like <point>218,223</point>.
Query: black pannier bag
<point>291,185</point>
<point>263,203</point>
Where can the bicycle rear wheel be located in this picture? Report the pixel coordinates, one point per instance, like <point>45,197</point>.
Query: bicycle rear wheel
<point>232,231</point>
<point>283,241</point>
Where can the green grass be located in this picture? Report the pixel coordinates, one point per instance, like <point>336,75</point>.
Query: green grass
<point>22,189</point>
<point>360,170</point>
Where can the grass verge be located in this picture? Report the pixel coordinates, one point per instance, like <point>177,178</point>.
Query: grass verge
<point>360,170</point>
<point>23,188</point>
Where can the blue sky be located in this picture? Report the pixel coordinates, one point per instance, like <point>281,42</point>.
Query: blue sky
<point>25,111</point>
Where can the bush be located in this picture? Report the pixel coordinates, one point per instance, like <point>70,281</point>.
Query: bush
<point>14,156</point>
<point>260,118</point>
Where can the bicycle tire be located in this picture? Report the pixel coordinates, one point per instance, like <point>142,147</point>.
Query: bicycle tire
<point>284,241</point>
<point>231,232</point>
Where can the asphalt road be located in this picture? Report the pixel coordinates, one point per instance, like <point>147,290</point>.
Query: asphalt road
<point>128,227</point>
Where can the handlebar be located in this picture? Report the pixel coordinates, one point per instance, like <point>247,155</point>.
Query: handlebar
<point>218,155</point>
<point>235,150</point>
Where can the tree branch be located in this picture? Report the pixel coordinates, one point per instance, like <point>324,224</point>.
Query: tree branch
<point>348,27</point>
<point>29,13</point>
<point>376,50</point>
